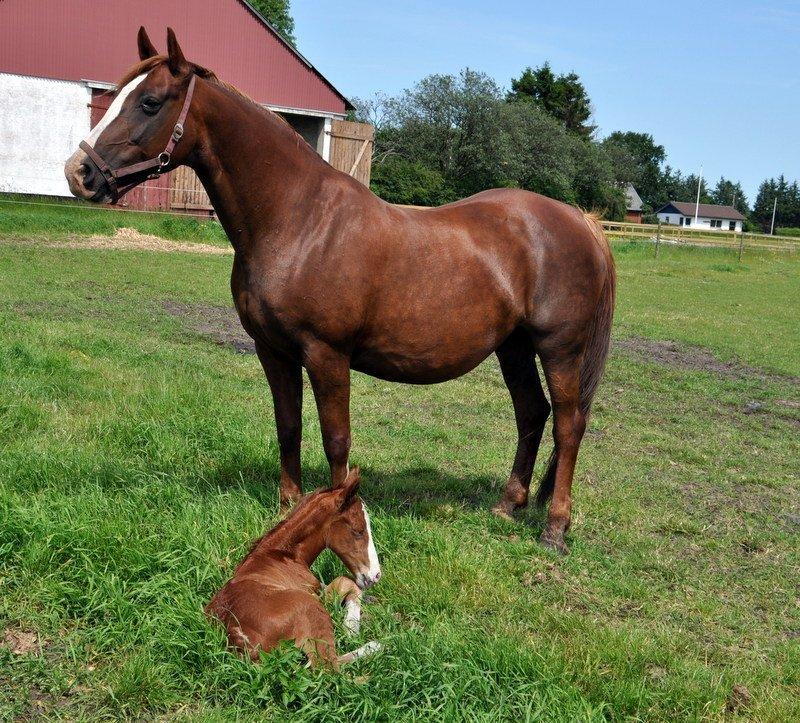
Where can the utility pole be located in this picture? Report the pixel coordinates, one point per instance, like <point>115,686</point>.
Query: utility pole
<point>734,199</point>
<point>774,208</point>
<point>697,204</point>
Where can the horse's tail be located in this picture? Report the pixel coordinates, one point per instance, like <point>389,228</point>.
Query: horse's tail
<point>595,352</point>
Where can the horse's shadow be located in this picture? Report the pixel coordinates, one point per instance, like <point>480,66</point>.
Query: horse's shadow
<point>421,491</point>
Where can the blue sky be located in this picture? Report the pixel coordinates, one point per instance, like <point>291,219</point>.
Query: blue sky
<point>716,83</point>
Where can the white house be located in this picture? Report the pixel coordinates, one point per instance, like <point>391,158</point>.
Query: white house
<point>709,216</point>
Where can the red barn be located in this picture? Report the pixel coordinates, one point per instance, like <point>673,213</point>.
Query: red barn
<point>59,60</point>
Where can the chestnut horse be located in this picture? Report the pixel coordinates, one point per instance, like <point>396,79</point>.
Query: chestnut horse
<point>329,277</point>
<point>274,596</point>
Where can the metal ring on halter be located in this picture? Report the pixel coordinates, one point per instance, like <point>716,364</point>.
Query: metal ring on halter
<point>163,160</point>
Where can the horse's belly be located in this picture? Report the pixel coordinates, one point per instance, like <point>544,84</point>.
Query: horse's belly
<point>428,358</point>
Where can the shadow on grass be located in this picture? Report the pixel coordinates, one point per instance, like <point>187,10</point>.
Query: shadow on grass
<point>420,491</point>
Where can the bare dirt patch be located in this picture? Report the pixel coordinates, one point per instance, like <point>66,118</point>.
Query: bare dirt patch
<point>219,323</point>
<point>21,642</point>
<point>125,239</point>
<point>693,358</point>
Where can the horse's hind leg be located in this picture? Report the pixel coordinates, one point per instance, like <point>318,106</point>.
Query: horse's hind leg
<point>531,410</point>
<point>563,381</point>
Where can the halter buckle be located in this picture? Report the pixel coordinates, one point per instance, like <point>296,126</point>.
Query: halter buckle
<point>177,132</point>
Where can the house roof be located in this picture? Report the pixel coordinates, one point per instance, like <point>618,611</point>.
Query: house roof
<point>632,198</point>
<point>88,40</point>
<point>706,210</point>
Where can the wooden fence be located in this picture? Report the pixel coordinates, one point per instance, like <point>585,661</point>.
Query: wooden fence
<point>668,233</point>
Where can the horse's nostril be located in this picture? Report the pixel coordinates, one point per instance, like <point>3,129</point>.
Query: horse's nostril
<point>85,171</point>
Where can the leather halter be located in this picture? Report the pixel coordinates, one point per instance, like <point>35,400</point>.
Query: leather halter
<point>118,180</point>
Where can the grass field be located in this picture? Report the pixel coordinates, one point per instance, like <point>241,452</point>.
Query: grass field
<point>138,460</point>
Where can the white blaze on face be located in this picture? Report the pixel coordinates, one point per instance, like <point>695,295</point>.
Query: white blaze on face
<point>374,566</point>
<point>114,109</point>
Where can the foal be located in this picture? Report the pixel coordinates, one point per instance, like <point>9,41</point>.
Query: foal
<point>274,596</point>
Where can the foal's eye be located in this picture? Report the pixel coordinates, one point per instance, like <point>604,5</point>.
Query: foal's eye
<point>151,106</point>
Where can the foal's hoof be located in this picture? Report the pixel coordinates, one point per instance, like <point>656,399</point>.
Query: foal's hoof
<point>504,511</point>
<point>554,541</point>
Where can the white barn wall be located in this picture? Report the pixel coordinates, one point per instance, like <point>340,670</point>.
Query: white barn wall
<point>42,122</point>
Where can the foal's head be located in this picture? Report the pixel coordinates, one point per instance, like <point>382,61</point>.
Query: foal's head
<point>138,125</point>
<point>349,534</point>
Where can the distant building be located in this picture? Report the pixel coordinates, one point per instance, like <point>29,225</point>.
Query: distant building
<point>709,216</point>
<point>633,205</point>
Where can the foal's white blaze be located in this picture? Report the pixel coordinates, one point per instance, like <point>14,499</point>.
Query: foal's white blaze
<point>114,109</point>
<point>374,566</point>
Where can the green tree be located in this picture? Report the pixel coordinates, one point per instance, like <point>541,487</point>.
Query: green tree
<point>562,96</point>
<point>730,193</point>
<point>788,203</point>
<point>278,14</point>
<point>637,158</point>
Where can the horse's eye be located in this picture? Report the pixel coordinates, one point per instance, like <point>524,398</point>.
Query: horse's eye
<point>151,106</point>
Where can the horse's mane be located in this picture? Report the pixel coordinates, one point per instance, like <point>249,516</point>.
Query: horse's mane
<point>293,517</point>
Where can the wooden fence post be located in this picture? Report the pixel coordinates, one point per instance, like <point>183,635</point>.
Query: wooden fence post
<point>741,245</point>
<point>658,238</point>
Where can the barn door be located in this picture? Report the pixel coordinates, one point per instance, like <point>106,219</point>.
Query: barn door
<point>351,148</point>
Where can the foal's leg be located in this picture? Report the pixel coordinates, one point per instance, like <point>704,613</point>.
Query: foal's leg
<point>285,379</point>
<point>563,381</point>
<point>329,372</point>
<point>531,410</point>
<point>350,595</point>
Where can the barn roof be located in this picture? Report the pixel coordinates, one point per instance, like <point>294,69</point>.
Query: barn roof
<point>632,199</point>
<point>96,41</point>
<point>706,210</point>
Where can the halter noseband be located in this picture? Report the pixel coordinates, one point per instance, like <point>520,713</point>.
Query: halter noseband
<point>151,169</point>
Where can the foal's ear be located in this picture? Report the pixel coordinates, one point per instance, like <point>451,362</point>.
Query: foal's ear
<point>178,64</point>
<point>146,48</point>
<point>349,487</point>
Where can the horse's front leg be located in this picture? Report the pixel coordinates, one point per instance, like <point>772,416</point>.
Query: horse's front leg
<point>329,372</point>
<point>285,379</point>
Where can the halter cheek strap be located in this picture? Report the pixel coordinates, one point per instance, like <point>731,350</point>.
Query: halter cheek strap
<point>122,180</point>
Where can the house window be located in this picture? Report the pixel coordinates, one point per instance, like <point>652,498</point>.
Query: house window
<point>732,226</point>
<point>666,219</point>
<point>688,222</point>
<point>715,223</point>
<point>680,223</point>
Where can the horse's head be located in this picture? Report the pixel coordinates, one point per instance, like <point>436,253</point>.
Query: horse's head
<point>138,137</point>
<point>349,533</point>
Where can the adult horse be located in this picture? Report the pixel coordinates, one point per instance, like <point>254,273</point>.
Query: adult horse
<point>329,277</point>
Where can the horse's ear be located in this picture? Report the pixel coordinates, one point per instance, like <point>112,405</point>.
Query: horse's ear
<point>349,487</point>
<point>177,62</point>
<point>146,48</point>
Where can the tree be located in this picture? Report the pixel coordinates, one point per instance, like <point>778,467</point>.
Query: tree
<point>278,14</point>
<point>730,193</point>
<point>562,96</point>
<point>788,207</point>
<point>646,156</point>
<point>448,123</point>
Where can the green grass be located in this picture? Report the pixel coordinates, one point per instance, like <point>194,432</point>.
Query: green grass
<point>138,460</point>
<point>45,216</point>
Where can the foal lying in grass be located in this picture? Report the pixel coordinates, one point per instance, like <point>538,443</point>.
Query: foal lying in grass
<point>274,596</point>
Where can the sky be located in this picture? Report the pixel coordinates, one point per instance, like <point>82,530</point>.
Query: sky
<point>716,83</point>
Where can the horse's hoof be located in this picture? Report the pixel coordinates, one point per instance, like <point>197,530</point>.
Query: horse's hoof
<point>501,510</point>
<point>554,542</point>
